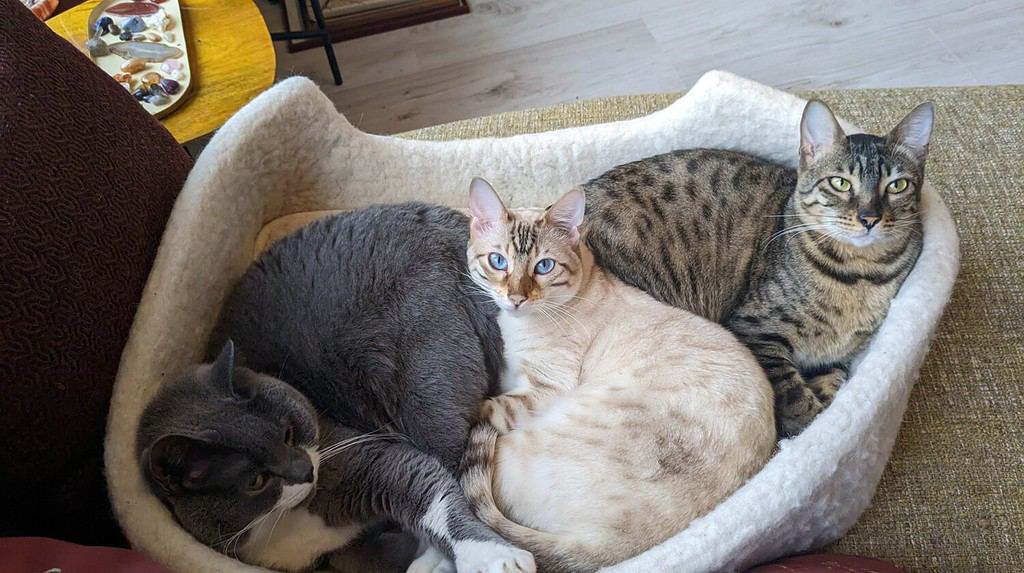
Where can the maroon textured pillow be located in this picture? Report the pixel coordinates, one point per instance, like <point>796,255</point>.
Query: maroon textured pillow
<point>87,181</point>
<point>823,563</point>
<point>37,554</point>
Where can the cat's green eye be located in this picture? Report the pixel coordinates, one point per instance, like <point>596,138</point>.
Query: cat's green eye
<point>897,186</point>
<point>257,482</point>
<point>839,184</point>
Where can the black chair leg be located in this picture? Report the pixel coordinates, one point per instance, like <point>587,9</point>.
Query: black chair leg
<point>332,60</point>
<point>320,32</point>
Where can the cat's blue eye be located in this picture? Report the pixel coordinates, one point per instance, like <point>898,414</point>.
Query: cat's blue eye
<point>497,261</point>
<point>544,266</point>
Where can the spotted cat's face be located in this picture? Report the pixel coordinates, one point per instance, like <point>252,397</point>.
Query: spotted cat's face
<point>861,189</point>
<point>527,260</point>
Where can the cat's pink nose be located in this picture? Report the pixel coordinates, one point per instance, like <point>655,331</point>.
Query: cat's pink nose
<point>517,299</point>
<point>868,219</point>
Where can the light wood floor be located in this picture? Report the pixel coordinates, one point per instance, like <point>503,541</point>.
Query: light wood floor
<point>515,54</point>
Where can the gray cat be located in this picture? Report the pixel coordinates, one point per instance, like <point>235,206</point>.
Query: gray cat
<point>351,360</point>
<point>800,265</point>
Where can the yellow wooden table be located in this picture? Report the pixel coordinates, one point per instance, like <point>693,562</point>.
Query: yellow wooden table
<point>230,53</point>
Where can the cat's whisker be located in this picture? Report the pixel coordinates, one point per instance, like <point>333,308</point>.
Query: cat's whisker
<point>827,235</point>
<point>794,230</point>
<point>565,311</point>
<point>231,543</point>
<point>327,451</point>
<point>825,218</point>
<point>336,449</point>
<point>281,509</point>
<point>551,317</point>
<point>578,297</point>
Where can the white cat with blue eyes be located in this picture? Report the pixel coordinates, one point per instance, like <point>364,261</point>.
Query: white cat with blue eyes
<point>623,419</point>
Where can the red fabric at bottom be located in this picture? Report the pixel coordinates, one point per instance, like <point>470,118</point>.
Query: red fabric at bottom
<point>42,555</point>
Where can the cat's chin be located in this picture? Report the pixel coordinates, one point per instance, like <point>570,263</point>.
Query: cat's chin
<point>861,240</point>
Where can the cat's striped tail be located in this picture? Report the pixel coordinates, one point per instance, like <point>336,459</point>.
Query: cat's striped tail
<point>553,553</point>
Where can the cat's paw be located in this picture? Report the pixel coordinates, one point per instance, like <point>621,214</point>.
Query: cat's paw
<point>500,412</point>
<point>826,385</point>
<point>432,561</point>
<point>793,416</point>
<point>492,557</point>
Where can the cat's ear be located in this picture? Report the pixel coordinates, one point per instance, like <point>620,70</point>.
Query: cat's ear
<point>223,368</point>
<point>819,132</point>
<point>566,214</point>
<point>915,131</point>
<point>178,463</point>
<point>485,205</point>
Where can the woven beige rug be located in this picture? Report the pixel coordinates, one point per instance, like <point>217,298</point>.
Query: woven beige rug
<point>952,497</point>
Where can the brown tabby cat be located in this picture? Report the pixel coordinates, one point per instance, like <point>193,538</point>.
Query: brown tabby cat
<point>801,265</point>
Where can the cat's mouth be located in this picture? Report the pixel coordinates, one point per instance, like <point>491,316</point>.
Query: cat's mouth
<point>294,494</point>
<point>513,308</point>
<point>863,238</point>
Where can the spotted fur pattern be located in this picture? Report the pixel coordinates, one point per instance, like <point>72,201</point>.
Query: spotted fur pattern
<point>601,380</point>
<point>800,265</point>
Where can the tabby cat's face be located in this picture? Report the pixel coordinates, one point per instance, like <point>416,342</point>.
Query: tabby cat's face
<point>861,189</point>
<point>227,450</point>
<point>529,259</point>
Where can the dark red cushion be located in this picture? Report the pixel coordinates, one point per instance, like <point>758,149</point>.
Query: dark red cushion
<point>37,555</point>
<point>87,181</point>
<point>823,563</point>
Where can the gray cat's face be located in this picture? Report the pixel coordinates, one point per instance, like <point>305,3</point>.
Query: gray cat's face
<point>861,189</point>
<point>226,449</point>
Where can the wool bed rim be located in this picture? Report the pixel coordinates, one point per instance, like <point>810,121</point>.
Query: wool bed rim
<point>288,151</point>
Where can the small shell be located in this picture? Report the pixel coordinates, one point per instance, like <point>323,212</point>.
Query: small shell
<point>153,36</point>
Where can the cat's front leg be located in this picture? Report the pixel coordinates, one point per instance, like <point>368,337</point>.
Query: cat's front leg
<point>505,410</point>
<point>416,490</point>
<point>827,384</point>
<point>795,403</point>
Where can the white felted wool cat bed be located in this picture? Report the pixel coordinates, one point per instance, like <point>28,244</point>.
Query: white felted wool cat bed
<point>290,152</point>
